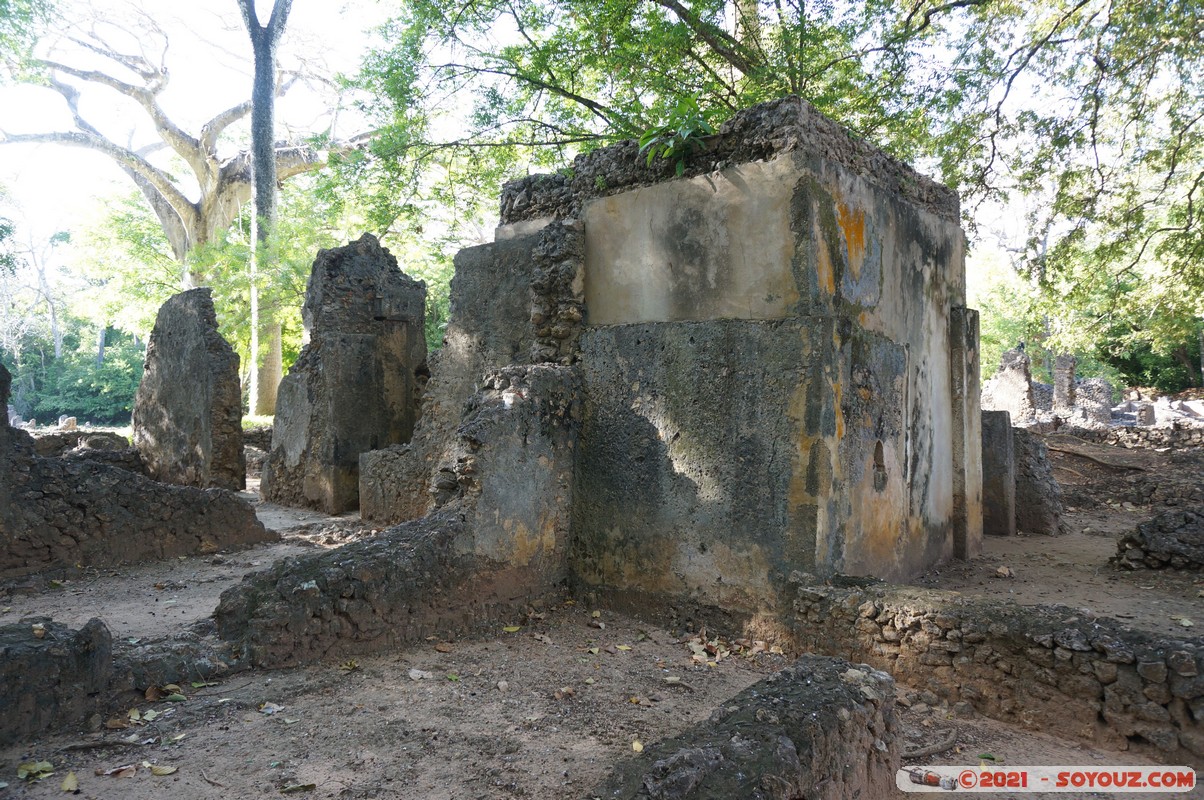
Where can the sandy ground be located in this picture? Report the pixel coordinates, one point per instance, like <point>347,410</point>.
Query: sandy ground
<point>539,712</point>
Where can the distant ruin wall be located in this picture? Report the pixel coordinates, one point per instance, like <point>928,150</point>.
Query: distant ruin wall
<point>355,386</point>
<point>188,408</point>
<point>1174,438</point>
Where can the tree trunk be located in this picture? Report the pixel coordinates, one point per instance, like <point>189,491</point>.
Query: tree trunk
<point>271,369</point>
<point>264,377</point>
<point>100,345</point>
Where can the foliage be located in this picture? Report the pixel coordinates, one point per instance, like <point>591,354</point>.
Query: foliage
<point>679,137</point>
<point>20,21</point>
<point>78,386</point>
<point>1090,110</point>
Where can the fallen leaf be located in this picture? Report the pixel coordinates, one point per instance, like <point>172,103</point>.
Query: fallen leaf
<point>175,697</point>
<point>177,737</point>
<point>172,687</point>
<point>349,666</point>
<point>116,724</point>
<point>589,681</point>
<point>124,771</point>
<point>153,693</point>
<point>637,746</point>
<point>70,783</point>
<point>443,647</point>
<point>420,675</point>
<point>512,628</point>
<point>299,787</point>
<point>39,630</point>
<point>596,623</point>
<point>203,684</point>
<point>135,715</point>
<point>150,715</point>
<point>595,614</point>
<point>593,651</point>
<point>158,769</point>
<point>288,721</point>
<point>564,692</point>
<point>1185,622</point>
<point>34,770</point>
<point>623,647</point>
<point>270,708</point>
<point>451,676</point>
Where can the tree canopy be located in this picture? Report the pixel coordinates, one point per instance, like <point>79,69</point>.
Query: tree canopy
<point>1088,110</point>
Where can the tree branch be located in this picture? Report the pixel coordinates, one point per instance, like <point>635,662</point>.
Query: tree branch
<point>722,42</point>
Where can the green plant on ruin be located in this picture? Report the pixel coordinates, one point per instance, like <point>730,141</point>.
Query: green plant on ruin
<point>681,136</point>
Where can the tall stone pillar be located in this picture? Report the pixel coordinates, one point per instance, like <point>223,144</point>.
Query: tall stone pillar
<point>188,408</point>
<point>355,386</point>
<point>998,475</point>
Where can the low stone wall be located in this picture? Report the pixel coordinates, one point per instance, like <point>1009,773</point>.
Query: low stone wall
<point>60,511</point>
<point>821,728</point>
<point>1173,539</point>
<point>51,680</point>
<point>498,539</point>
<point>1173,438</point>
<point>58,443</point>
<point>128,459</point>
<point>398,587</point>
<point>1048,668</point>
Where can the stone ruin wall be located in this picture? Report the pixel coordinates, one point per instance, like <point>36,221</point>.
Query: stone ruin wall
<point>57,512</point>
<point>512,394</point>
<point>188,407</point>
<point>355,386</point>
<point>1046,668</point>
<point>775,363</point>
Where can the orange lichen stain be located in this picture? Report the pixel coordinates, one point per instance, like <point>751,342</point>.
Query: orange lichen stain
<point>528,545</point>
<point>852,224</point>
<point>876,530</point>
<point>823,265</point>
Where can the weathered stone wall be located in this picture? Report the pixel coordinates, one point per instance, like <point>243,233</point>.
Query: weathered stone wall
<point>514,302</point>
<point>821,728</point>
<point>998,475</point>
<point>1064,395</point>
<point>1174,438</point>
<point>1038,496</point>
<point>356,384</point>
<point>188,408</point>
<point>57,443</point>
<point>1095,400</point>
<point>1172,539</point>
<point>1011,388</point>
<point>60,511</point>
<point>52,680</point>
<point>1047,668</point>
<point>498,540</point>
<point>853,452</point>
<point>778,370</point>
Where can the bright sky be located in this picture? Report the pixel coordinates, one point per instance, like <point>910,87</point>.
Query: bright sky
<point>208,59</point>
